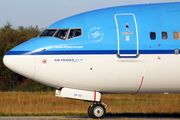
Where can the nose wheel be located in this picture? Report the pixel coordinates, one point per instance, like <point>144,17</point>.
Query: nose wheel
<point>96,111</point>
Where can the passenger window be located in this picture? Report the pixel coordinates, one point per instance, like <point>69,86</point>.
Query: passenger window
<point>164,35</point>
<point>62,34</point>
<point>48,33</point>
<point>176,35</point>
<point>153,35</point>
<point>75,33</point>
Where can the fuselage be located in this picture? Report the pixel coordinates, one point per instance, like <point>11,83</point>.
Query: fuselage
<point>127,49</point>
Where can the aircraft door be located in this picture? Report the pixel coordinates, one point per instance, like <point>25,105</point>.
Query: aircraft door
<point>127,35</point>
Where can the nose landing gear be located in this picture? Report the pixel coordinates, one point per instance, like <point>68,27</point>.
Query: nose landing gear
<point>97,110</point>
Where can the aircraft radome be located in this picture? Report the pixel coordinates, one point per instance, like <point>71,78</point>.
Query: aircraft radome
<point>130,49</point>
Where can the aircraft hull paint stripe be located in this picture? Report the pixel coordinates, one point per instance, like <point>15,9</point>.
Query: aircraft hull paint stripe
<point>94,95</point>
<point>77,52</point>
<point>140,84</point>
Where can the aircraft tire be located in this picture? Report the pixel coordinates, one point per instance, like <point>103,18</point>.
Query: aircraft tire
<point>90,111</point>
<point>98,111</point>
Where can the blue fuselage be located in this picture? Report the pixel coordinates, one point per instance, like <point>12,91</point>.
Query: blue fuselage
<point>126,49</point>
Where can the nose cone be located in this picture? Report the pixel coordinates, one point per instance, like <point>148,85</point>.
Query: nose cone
<point>21,59</point>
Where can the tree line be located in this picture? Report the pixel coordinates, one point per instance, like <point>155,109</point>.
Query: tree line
<point>9,38</point>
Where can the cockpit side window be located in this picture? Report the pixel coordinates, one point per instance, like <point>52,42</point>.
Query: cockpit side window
<point>62,34</point>
<point>75,33</point>
<point>48,33</point>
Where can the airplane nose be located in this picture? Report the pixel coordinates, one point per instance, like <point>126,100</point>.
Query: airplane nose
<point>21,59</point>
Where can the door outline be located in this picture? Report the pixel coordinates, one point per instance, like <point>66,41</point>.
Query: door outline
<point>137,38</point>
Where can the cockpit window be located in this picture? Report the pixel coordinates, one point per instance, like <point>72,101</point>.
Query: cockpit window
<point>63,34</point>
<point>48,33</point>
<point>66,34</point>
<point>75,33</point>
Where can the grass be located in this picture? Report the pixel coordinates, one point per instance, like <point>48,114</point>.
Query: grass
<point>46,104</point>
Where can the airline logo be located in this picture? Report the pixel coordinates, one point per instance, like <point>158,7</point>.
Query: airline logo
<point>68,60</point>
<point>95,34</point>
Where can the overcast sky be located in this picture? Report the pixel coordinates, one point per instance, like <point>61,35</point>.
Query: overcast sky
<point>45,12</point>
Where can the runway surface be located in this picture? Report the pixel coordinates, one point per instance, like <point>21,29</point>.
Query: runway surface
<point>77,117</point>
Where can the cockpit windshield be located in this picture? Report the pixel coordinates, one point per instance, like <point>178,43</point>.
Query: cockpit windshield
<point>63,34</point>
<point>48,33</point>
